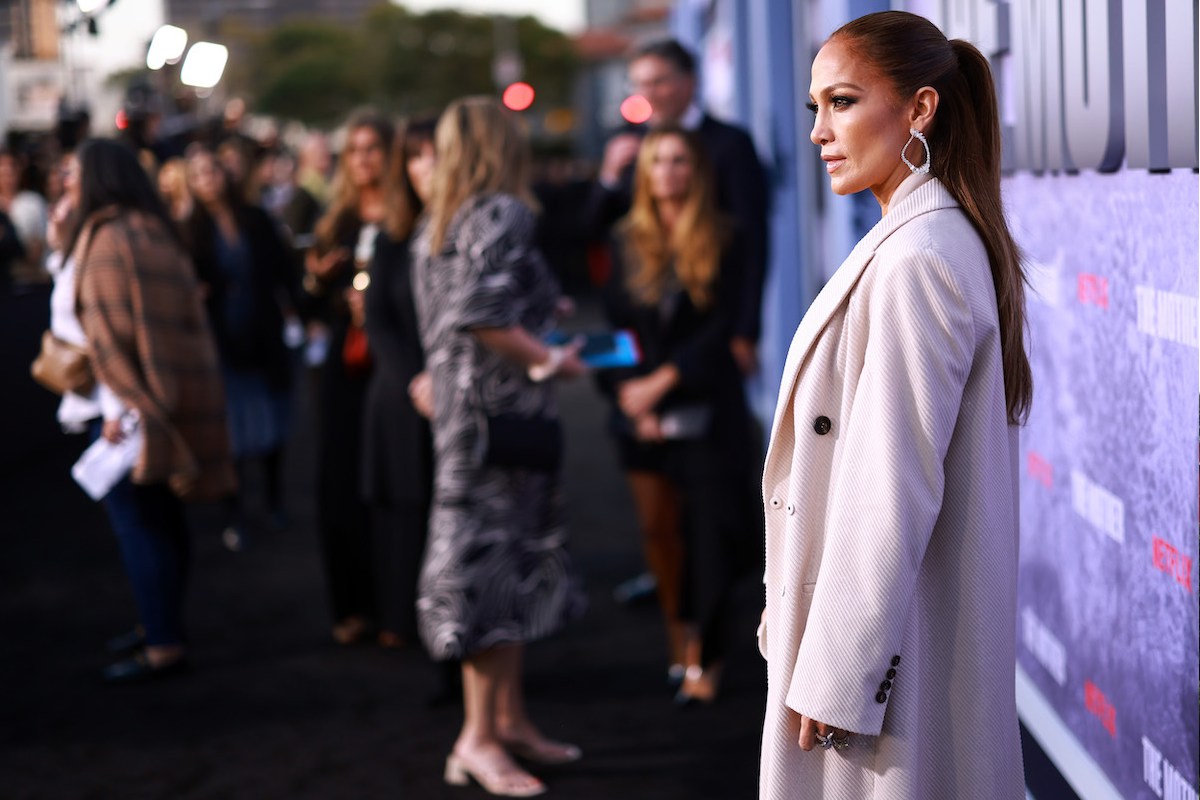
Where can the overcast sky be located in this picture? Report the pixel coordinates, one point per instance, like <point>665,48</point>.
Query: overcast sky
<point>566,15</point>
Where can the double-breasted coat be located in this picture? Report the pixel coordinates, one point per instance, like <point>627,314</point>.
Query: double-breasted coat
<point>890,496</point>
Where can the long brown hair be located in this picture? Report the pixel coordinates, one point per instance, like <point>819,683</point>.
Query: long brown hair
<point>343,208</point>
<point>692,247</point>
<point>480,150</point>
<point>911,53</point>
<point>402,214</point>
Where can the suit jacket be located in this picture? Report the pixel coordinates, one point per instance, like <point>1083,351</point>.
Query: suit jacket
<point>891,504</point>
<point>149,341</point>
<point>741,190</point>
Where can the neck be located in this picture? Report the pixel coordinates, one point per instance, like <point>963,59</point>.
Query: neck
<point>218,209</point>
<point>883,191</point>
<point>370,202</point>
<point>669,212</point>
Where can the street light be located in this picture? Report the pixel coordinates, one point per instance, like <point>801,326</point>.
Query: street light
<point>166,47</point>
<point>204,65</point>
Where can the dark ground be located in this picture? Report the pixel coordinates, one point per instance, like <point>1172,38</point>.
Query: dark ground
<point>273,708</point>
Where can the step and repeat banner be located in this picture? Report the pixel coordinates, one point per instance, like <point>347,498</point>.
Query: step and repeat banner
<point>1099,102</point>
<point>1107,628</point>
<point>1102,140</point>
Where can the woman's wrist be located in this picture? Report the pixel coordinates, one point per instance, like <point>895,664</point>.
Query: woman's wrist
<point>546,368</point>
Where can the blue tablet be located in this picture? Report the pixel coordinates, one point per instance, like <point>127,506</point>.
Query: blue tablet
<point>603,350</point>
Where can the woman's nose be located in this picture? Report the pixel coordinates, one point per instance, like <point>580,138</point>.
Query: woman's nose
<point>819,134</point>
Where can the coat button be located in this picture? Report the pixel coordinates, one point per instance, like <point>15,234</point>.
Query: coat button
<point>891,673</point>
<point>822,425</point>
<point>883,687</point>
<point>775,502</point>
<point>881,697</point>
<point>791,508</point>
<point>895,661</point>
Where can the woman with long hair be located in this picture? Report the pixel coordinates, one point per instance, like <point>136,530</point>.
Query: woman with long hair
<point>496,573</point>
<point>684,428</point>
<point>397,446</point>
<point>345,238</point>
<point>149,344</point>
<point>244,267</point>
<point>173,186</point>
<point>890,483</point>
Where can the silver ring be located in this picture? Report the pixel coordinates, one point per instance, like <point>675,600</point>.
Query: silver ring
<point>826,741</point>
<point>841,744</point>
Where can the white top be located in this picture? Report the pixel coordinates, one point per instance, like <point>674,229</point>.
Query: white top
<point>29,216</point>
<point>75,410</point>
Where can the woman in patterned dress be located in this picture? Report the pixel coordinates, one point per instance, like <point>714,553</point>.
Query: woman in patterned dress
<point>496,572</point>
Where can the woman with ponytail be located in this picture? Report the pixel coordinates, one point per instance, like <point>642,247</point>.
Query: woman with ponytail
<point>890,482</point>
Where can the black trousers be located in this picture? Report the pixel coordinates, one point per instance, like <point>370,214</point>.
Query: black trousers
<point>343,519</point>
<point>398,535</point>
<point>720,528</point>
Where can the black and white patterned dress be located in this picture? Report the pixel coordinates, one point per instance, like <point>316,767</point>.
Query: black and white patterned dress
<point>496,567</point>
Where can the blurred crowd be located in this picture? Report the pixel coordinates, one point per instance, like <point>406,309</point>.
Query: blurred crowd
<point>412,275</point>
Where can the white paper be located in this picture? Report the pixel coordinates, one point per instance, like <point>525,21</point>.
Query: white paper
<point>104,464</point>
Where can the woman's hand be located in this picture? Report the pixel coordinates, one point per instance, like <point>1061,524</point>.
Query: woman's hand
<point>56,228</point>
<point>810,730</point>
<point>420,391</point>
<point>572,366</point>
<point>113,431</point>
<point>357,303</point>
<point>639,396</point>
<point>324,267</point>
<point>648,428</point>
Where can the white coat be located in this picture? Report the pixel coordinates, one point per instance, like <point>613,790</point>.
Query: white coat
<point>891,504</point>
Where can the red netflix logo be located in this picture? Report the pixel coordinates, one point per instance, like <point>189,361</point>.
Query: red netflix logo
<point>1098,704</point>
<point>1040,469</point>
<point>1093,289</point>
<point>1171,561</point>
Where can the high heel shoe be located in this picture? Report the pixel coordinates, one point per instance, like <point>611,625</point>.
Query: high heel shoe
<point>547,753</point>
<point>512,784</point>
<point>699,686</point>
<point>675,674</point>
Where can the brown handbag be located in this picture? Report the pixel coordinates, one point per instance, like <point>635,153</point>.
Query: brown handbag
<point>62,367</point>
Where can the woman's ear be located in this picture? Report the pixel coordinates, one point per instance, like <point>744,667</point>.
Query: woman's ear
<point>924,107</point>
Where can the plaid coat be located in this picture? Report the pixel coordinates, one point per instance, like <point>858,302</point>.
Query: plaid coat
<point>149,341</point>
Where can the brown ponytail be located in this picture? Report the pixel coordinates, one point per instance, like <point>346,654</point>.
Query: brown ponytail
<point>965,142</point>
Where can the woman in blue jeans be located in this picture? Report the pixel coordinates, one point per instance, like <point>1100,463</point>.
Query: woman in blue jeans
<point>140,313</point>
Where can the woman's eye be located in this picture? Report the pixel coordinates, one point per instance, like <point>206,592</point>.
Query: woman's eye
<point>841,102</point>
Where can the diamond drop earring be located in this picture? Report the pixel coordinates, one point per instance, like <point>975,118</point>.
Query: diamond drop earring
<point>924,168</point>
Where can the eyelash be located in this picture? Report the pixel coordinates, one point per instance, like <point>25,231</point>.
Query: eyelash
<point>837,101</point>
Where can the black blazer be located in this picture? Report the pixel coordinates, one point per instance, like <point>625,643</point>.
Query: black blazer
<point>741,193</point>
<point>696,341</point>
<point>397,460</point>
<point>272,285</point>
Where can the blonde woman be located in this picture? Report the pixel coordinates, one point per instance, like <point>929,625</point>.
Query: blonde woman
<point>496,572</point>
<point>345,242</point>
<point>684,427</point>
<point>173,186</point>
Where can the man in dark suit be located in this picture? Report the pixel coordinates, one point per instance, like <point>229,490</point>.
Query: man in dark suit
<point>664,73</point>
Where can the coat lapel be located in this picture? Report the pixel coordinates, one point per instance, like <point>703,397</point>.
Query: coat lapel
<point>917,195</point>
